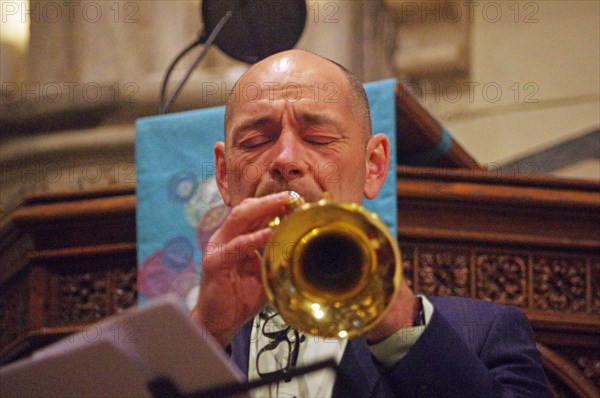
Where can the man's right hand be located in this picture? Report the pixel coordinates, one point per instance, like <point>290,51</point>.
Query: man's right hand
<point>231,290</point>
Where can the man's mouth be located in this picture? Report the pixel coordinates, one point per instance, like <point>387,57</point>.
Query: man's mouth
<point>306,196</point>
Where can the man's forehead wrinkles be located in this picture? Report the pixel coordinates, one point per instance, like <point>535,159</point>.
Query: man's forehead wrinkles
<point>270,86</point>
<point>263,111</point>
<point>266,105</point>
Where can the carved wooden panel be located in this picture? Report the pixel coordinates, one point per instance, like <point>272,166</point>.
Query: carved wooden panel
<point>555,284</point>
<point>13,310</point>
<point>443,272</point>
<point>407,252</point>
<point>502,277</point>
<point>538,280</point>
<point>587,361</point>
<point>567,378</point>
<point>528,242</point>
<point>590,366</point>
<point>80,268</point>
<point>595,287</point>
<point>88,296</point>
<point>124,288</point>
<point>106,285</point>
<point>79,298</point>
<point>559,283</point>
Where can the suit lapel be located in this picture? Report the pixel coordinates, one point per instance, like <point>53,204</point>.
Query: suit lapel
<point>240,347</point>
<point>357,374</point>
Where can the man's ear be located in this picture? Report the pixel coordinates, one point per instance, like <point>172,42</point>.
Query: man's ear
<point>377,164</point>
<point>221,171</point>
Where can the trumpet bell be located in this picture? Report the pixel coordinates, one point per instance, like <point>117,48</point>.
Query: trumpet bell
<point>331,269</point>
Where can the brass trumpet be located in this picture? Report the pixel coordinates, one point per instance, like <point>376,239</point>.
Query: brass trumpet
<point>331,269</point>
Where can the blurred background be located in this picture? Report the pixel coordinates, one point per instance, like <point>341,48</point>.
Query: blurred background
<point>515,82</point>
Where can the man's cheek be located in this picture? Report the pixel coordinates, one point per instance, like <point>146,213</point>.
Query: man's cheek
<point>244,172</point>
<point>232,172</point>
<point>250,173</point>
<point>328,173</point>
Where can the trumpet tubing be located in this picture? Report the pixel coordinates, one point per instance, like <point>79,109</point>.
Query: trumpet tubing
<point>331,269</point>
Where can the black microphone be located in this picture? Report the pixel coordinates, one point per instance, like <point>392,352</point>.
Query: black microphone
<point>246,30</point>
<point>258,28</point>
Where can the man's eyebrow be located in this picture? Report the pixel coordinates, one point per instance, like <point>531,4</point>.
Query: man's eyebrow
<point>317,118</point>
<point>251,123</point>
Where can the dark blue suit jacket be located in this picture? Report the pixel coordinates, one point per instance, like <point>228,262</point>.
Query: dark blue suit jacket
<point>470,348</point>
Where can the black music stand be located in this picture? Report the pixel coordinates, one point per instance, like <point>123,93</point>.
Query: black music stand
<point>163,387</point>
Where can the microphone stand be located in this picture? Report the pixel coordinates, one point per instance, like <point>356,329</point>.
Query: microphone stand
<point>211,38</point>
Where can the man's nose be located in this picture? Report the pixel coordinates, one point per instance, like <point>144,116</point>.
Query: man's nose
<point>288,158</point>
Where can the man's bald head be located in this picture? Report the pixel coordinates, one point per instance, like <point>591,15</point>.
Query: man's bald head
<point>357,96</point>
